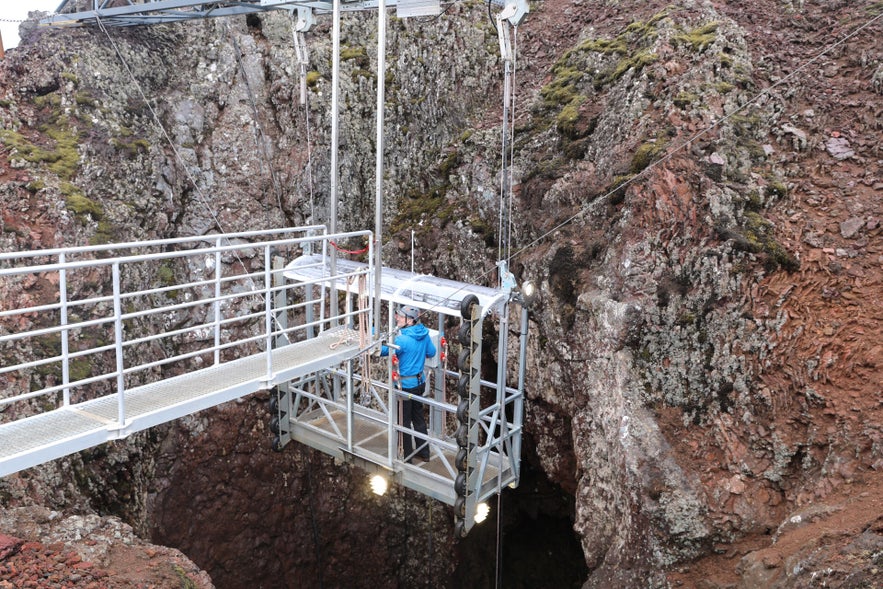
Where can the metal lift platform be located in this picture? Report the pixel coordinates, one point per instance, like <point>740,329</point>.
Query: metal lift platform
<point>355,418</point>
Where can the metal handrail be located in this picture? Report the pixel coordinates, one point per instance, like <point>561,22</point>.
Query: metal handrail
<point>227,295</point>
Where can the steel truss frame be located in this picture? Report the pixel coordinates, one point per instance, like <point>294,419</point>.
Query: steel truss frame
<point>147,12</point>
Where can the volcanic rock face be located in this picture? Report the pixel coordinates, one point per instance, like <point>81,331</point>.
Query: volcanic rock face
<point>697,188</point>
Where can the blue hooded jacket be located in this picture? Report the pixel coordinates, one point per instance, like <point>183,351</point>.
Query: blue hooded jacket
<point>415,346</point>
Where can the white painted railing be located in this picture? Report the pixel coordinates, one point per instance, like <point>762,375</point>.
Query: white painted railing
<point>96,321</point>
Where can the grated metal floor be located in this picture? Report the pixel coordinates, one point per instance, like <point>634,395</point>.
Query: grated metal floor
<point>370,442</point>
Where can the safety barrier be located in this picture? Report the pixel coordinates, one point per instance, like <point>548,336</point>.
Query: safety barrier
<point>106,325</point>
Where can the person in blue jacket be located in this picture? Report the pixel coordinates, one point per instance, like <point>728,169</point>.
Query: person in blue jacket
<point>414,347</point>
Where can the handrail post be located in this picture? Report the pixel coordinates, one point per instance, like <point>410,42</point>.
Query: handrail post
<point>373,293</point>
<point>392,402</point>
<point>268,309</point>
<point>65,361</point>
<point>349,406</point>
<point>217,303</point>
<point>118,344</point>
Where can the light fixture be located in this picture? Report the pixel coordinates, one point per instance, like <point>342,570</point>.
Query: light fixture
<point>526,294</point>
<point>529,292</point>
<point>481,511</point>
<point>379,484</point>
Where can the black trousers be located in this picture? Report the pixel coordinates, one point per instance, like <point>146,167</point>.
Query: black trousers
<point>412,418</point>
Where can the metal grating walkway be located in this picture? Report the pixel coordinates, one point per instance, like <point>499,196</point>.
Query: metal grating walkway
<point>370,452</point>
<point>34,440</point>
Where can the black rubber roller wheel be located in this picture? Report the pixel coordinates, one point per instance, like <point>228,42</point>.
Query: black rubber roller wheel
<point>460,460</point>
<point>460,507</point>
<point>463,386</point>
<point>463,359</point>
<point>460,484</point>
<point>466,306</point>
<point>464,333</point>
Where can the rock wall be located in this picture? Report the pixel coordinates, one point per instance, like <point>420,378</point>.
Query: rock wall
<point>696,188</point>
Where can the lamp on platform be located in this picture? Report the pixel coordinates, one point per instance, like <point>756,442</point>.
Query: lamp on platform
<point>481,511</point>
<point>379,484</point>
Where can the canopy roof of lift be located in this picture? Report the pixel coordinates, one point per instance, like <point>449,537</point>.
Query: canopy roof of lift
<point>424,291</point>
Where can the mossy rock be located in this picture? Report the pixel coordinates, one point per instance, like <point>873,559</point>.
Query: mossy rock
<point>605,46</point>
<point>745,124</point>
<point>699,38</point>
<point>562,89</point>
<point>617,188</point>
<point>35,186</point>
<point>358,54</point>
<point>636,62</point>
<point>313,78</point>
<point>63,160</point>
<point>646,154</point>
<point>104,233</point>
<point>165,275</point>
<point>417,207</point>
<point>756,235</point>
<point>186,581</point>
<point>567,119</point>
<point>52,100</point>
<point>451,161</point>
<point>685,99</point>
<point>481,227</point>
<point>776,190</point>
<point>131,148</point>
<point>82,206</point>
<point>361,73</point>
<point>85,99</point>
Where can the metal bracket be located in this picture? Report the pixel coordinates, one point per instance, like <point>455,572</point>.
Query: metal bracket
<point>305,20</point>
<point>514,12</point>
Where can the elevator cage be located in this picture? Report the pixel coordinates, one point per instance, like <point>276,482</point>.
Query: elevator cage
<point>351,411</point>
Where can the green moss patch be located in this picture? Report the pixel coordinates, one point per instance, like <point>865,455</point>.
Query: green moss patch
<point>358,54</point>
<point>61,155</point>
<point>699,38</point>
<point>646,154</point>
<point>685,99</point>
<point>756,235</point>
<point>82,206</point>
<point>575,71</point>
<point>313,78</point>
<point>130,148</point>
<point>567,119</point>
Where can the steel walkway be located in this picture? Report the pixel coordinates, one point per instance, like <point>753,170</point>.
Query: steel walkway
<point>144,333</point>
<point>40,438</point>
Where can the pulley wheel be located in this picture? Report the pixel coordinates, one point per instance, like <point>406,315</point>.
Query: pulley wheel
<point>466,306</point>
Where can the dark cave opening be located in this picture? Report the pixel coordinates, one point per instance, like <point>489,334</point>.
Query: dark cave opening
<point>537,545</point>
<point>253,517</point>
